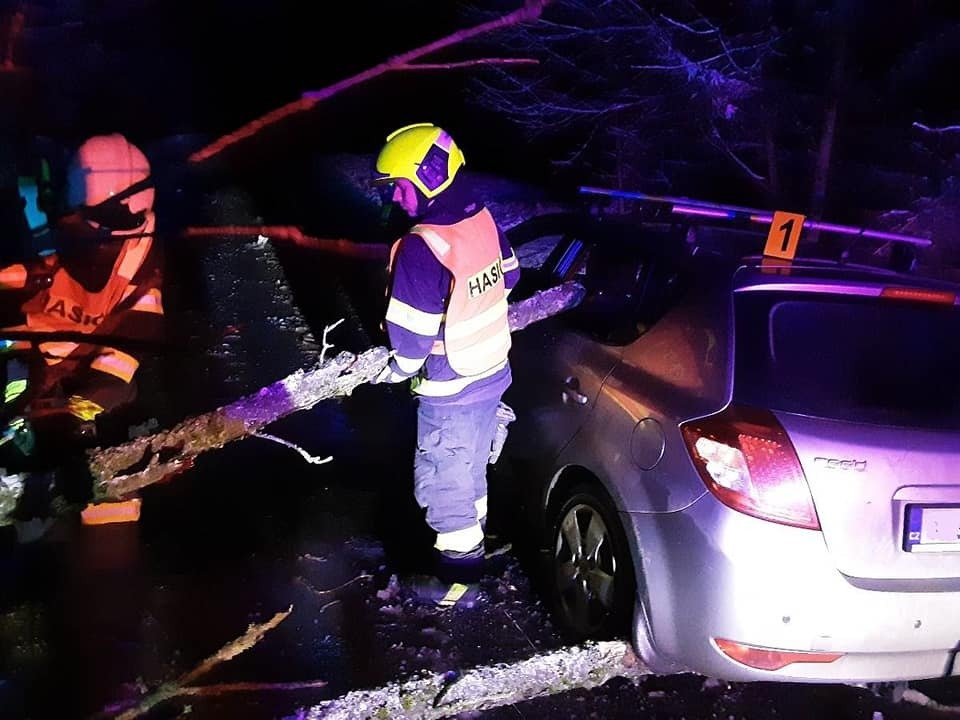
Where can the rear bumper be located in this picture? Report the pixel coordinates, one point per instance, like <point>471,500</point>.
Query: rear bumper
<point>711,572</point>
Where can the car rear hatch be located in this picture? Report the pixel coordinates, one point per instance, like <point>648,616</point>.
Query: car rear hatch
<point>864,377</point>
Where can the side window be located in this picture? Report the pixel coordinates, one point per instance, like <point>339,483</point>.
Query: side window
<point>629,288</point>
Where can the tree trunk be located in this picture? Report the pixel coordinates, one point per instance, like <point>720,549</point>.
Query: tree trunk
<point>122,470</point>
<point>449,694</point>
<point>821,173</point>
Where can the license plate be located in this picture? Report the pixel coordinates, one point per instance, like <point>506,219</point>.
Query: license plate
<point>932,528</point>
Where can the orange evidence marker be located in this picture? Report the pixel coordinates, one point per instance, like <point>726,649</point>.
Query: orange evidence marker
<point>111,512</point>
<point>784,235</point>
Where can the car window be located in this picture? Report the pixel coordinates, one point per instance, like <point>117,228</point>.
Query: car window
<point>849,358</point>
<point>630,283</point>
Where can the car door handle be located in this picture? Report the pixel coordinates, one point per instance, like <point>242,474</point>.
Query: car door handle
<point>571,392</point>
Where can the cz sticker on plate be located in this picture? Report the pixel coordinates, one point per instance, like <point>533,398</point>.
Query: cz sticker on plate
<point>932,528</point>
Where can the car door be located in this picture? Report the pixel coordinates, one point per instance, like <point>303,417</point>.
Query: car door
<point>560,364</point>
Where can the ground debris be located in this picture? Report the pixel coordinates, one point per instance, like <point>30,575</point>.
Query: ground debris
<point>184,685</point>
<point>446,694</point>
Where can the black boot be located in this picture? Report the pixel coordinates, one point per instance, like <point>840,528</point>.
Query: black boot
<point>455,580</point>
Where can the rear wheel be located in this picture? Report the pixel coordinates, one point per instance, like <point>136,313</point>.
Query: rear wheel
<point>592,579</point>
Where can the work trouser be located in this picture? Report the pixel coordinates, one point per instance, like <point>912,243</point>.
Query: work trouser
<point>450,471</point>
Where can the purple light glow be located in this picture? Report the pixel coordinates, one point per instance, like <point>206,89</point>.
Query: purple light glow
<point>702,212</point>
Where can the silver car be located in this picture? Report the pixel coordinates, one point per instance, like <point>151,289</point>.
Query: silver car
<point>754,470</point>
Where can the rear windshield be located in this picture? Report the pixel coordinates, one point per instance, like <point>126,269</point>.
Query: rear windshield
<point>849,358</point>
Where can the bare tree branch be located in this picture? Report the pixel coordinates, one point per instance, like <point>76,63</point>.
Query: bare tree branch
<point>467,63</point>
<point>530,12</point>
<point>721,145</point>
<point>624,84</point>
<point>927,128</point>
<point>167,691</point>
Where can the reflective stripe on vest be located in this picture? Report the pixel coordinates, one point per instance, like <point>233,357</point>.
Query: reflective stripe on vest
<point>445,388</point>
<point>55,351</point>
<point>151,302</point>
<point>82,408</point>
<point>476,334</point>
<point>13,277</point>
<point>14,389</point>
<point>116,363</point>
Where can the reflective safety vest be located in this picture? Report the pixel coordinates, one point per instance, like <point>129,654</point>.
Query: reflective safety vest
<point>67,306</point>
<point>476,333</point>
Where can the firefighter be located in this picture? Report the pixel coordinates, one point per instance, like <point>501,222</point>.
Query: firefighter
<point>67,368</point>
<point>446,321</point>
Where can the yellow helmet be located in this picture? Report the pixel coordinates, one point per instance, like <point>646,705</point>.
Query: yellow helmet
<point>422,153</point>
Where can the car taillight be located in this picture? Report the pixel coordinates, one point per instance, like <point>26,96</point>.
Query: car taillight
<point>940,297</point>
<point>747,461</point>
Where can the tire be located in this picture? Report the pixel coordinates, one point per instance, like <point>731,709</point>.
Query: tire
<point>593,592</point>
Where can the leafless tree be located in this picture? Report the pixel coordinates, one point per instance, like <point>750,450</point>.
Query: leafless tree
<point>624,88</point>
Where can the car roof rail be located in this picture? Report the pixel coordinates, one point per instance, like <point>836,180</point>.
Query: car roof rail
<point>903,247</point>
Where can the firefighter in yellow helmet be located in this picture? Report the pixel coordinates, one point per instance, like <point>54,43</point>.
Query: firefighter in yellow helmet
<point>67,367</point>
<point>446,322</point>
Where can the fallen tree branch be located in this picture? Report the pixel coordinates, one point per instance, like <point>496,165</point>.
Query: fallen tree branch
<point>911,695</point>
<point>223,688</point>
<point>448,694</point>
<point>530,12</point>
<point>180,686</point>
<point>544,304</point>
<point>296,236</point>
<point>122,470</point>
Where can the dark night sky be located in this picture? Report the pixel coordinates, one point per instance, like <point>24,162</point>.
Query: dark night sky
<point>153,68</point>
<point>157,68</point>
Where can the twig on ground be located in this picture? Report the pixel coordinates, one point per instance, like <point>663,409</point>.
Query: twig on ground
<point>364,576</point>
<point>519,629</point>
<point>183,684</point>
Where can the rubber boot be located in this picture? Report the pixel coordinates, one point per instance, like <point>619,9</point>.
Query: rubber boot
<point>455,581</point>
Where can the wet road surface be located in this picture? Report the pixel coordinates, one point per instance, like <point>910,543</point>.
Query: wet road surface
<point>93,617</point>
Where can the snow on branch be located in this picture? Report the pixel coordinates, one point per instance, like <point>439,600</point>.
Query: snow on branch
<point>937,130</point>
<point>124,469</point>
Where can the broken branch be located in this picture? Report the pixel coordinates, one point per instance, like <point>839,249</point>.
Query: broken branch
<point>167,691</point>
<point>937,130</point>
<point>223,688</point>
<point>448,694</point>
<point>530,11</point>
<point>251,637</point>
<point>293,234</point>
<point>123,469</point>
<point>467,63</point>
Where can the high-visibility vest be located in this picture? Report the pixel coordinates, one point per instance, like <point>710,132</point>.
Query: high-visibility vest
<point>67,306</point>
<point>476,334</point>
